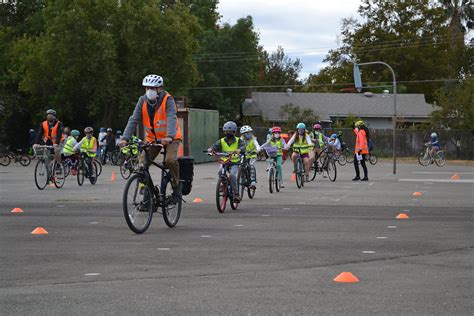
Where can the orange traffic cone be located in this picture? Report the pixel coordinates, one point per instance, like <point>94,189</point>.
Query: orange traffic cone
<point>113,177</point>
<point>293,177</point>
<point>346,277</point>
<point>455,176</point>
<point>402,216</point>
<point>17,210</point>
<point>197,200</point>
<point>39,231</point>
<point>417,193</point>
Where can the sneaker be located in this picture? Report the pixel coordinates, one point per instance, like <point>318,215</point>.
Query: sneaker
<point>236,199</point>
<point>253,187</point>
<point>281,184</point>
<point>364,179</point>
<point>356,179</point>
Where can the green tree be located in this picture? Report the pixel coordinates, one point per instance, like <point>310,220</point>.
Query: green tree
<point>279,69</point>
<point>294,115</point>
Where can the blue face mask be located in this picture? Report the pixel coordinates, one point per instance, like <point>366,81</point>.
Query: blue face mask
<point>301,131</point>
<point>248,136</point>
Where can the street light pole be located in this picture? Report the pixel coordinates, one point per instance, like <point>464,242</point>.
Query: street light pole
<point>358,82</point>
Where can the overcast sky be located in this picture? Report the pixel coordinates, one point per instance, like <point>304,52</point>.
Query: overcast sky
<point>306,29</point>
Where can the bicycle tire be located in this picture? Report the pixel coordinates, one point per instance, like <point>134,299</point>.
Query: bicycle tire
<point>4,160</point>
<point>98,166</point>
<point>331,170</point>
<point>93,173</point>
<point>171,212</point>
<point>67,168</point>
<point>313,171</point>
<point>58,177</point>
<point>138,214</point>
<point>373,159</point>
<point>221,195</point>
<point>299,173</point>
<point>125,170</point>
<point>25,160</point>
<point>241,182</point>
<point>342,159</point>
<point>424,158</point>
<point>40,170</point>
<point>81,170</point>
<point>349,156</point>
<point>440,158</point>
<point>271,179</point>
<point>277,181</point>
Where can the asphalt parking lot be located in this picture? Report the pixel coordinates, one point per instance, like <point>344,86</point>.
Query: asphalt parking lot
<point>276,254</point>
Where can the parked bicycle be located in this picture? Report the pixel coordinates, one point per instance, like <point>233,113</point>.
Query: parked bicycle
<point>425,157</point>
<point>47,170</point>
<point>224,189</point>
<point>86,169</point>
<point>372,158</point>
<point>245,177</point>
<point>141,197</point>
<point>7,158</point>
<point>272,170</point>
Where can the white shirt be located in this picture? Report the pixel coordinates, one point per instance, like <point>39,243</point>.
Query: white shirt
<point>102,135</point>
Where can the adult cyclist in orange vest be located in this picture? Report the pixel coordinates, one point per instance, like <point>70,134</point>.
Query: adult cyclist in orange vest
<point>50,133</point>
<point>157,111</point>
<point>360,151</point>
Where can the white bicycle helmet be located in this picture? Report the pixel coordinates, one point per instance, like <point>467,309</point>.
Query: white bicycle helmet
<point>434,135</point>
<point>152,81</point>
<point>245,129</point>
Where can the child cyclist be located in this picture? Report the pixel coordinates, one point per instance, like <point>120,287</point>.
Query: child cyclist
<point>230,144</point>
<point>301,140</point>
<point>279,143</point>
<point>251,149</point>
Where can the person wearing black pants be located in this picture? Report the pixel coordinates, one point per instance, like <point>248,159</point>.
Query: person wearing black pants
<point>362,149</point>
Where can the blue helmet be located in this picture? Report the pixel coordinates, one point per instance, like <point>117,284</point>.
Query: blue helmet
<point>334,136</point>
<point>301,126</point>
<point>103,129</point>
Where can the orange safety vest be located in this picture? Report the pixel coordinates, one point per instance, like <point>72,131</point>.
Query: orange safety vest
<point>54,132</point>
<point>160,126</point>
<point>361,142</point>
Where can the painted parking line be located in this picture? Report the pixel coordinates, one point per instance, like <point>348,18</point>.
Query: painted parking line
<point>440,172</point>
<point>437,180</point>
<point>368,251</point>
<point>92,274</point>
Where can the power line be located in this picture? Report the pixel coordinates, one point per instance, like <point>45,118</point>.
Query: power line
<point>326,84</point>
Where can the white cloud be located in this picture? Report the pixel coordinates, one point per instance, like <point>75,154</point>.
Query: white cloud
<point>305,29</point>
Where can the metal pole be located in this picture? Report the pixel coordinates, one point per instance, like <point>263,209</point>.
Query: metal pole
<point>394,117</point>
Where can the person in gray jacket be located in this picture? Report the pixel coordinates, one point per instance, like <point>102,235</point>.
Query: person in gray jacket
<point>157,111</point>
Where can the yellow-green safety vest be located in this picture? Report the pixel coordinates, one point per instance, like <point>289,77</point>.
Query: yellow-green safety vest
<point>228,149</point>
<point>278,144</point>
<point>68,149</point>
<point>250,149</point>
<point>88,147</point>
<point>303,144</point>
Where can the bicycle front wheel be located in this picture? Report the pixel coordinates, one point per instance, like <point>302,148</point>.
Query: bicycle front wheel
<point>4,160</point>
<point>271,179</point>
<point>137,204</point>
<point>59,176</point>
<point>98,166</point>
<point>349,156</point>
<point>331,170</point>
<point>440,158</point>
<point>299,173</point>
<point>25,160</point>
<point>93,173</point>
<point>81,170</point>
<point>250,191</point>
<point>277,181</point>
<point>424,158</point>
<point>125,169</point>
<point>373,159</point>
<point>241,182</point>
<point>171,212</point>
<point>221,195</point>
<point>313,171</point>
<point>41,174</point>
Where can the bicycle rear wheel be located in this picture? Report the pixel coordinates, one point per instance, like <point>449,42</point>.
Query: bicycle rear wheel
<point>313,171</point>
<point>98,166</point>
<point>25,160</point>
<point>171,212</point>
<point>373,159</point>
<point>137,204</point>
<point>221,195</point>
<point>271,179</point>
<point>41,174</point>
<point>342,159</point>
<point>58,174</point>
<point>349,156</point>
<point>424,158</point>
<point>440,158</point>
<point>331,170</point>
<point>67,168</point>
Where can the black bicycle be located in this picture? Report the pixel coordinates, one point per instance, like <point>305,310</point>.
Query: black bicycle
<point>299,167</point>
<point>141,198</point>
<point>324,164</point>
<point>23,159</point>
<point>245,177</point>
<point>86,169</point>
